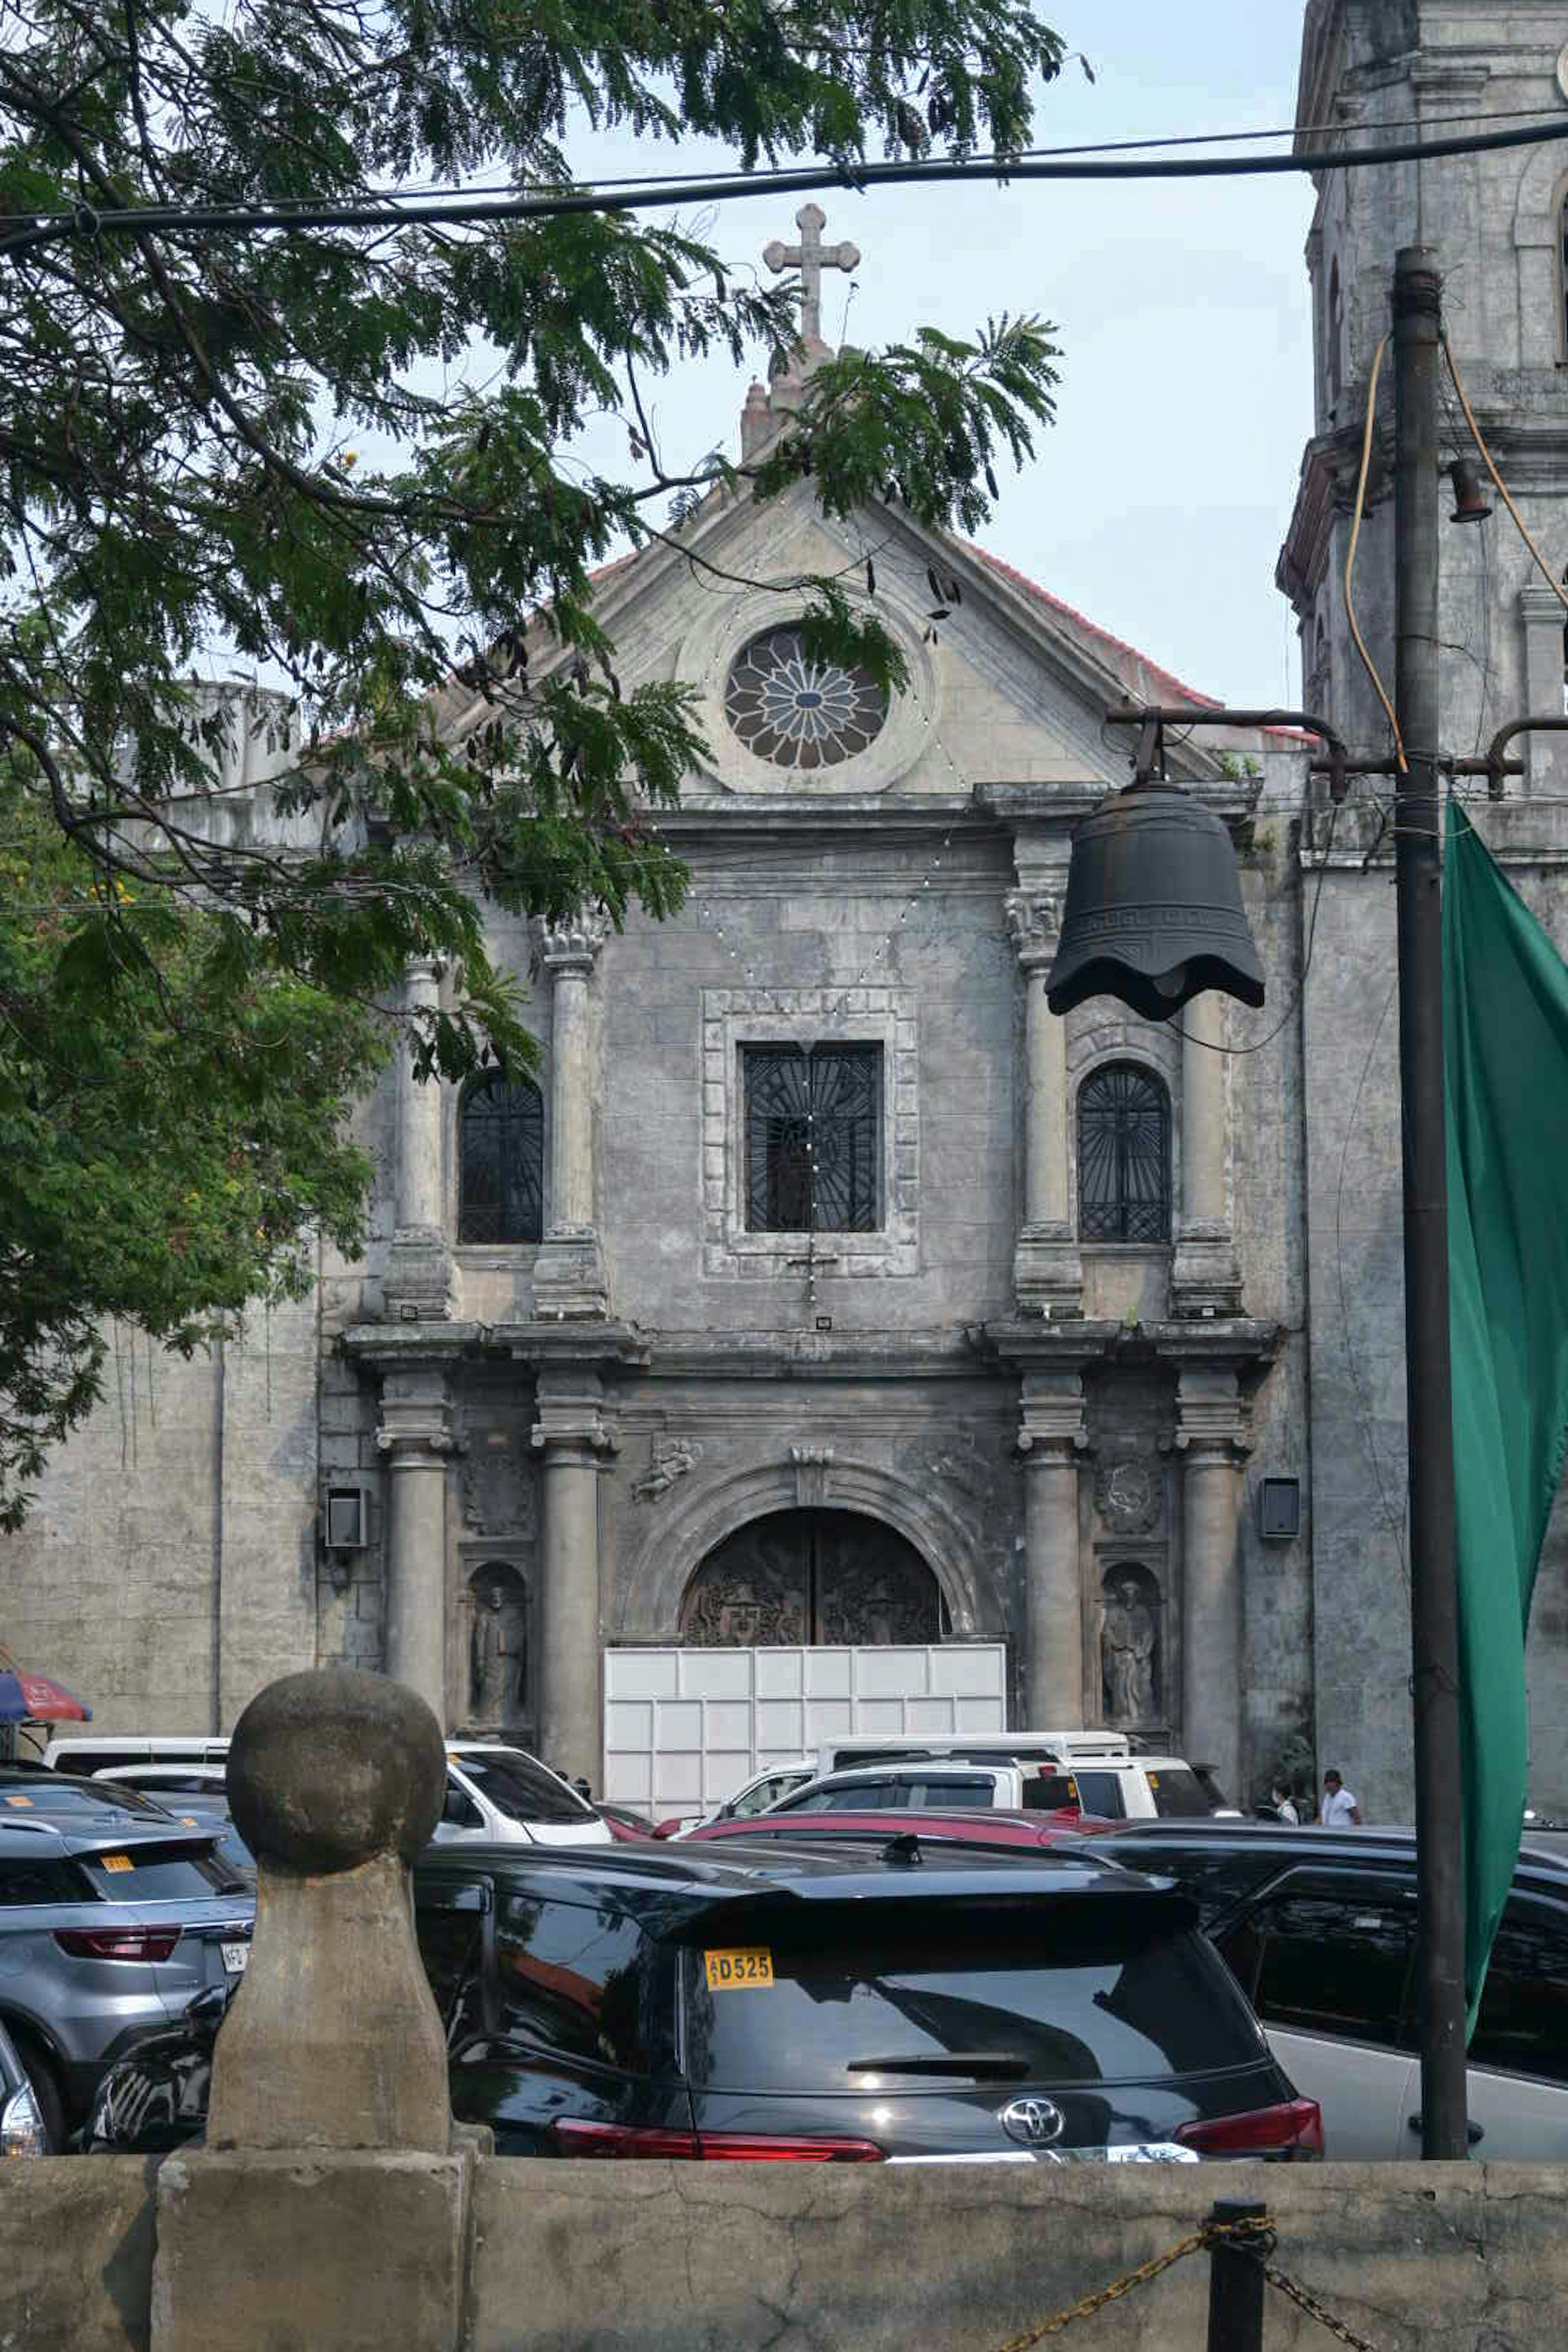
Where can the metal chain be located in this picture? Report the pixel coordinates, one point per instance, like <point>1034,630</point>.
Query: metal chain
<point>1309,2302</point>
<point>1209,2235</point>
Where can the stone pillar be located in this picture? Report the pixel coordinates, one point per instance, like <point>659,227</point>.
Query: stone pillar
<point>1205,1279</point>
<point>1212,1443</point>
<point>421,1275</point>
<point>1546,695</point>
<point>1052,1441</point>
<point>569,1282</point>
<point>1048,1275</point>
<point>330,2205</point>
<point>416,1435</point>
<point>574,1440</point>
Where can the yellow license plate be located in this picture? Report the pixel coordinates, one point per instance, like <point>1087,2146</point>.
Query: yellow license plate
<point>115,1862</point>
<point>732,1971</point>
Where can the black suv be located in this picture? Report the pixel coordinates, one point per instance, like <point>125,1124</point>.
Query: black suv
<point>1318,1927</point>
<point>848,2003</point>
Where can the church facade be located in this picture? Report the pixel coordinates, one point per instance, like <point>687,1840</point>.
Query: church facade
<point>826,1289</point>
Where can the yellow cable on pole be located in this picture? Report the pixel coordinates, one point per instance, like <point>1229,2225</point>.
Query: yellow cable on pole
<point>1370,666</point>
<point>1546,572</point>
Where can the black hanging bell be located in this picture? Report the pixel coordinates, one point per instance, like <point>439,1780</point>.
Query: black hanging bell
<point>1154,912</point>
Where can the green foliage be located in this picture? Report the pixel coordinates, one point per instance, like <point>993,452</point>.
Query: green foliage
<point>181,483</point>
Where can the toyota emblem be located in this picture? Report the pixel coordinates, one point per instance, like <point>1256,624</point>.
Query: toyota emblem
<point>1036,2122</point>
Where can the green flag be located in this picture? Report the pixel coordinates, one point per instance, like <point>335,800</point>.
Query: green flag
<point>1505,1013</point>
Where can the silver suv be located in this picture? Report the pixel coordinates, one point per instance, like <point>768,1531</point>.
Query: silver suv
<point>109,1928</point>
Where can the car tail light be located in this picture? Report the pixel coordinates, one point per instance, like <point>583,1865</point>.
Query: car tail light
<point>118,1943</point>
<point>573,2138</point>
<point>1296,2128</point>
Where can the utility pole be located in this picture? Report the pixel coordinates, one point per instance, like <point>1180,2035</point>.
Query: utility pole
<point>1418,873</point>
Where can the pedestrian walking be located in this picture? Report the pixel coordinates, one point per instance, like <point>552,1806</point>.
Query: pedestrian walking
<point>1283,1803</point>
<point>1339,1808</point>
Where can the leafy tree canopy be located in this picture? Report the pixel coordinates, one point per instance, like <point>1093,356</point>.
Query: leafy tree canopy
<point>186,1006</point>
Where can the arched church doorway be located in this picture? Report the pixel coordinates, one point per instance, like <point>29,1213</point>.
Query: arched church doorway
<point>811,1576</point>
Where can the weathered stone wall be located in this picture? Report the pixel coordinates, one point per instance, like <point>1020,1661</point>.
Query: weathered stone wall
<point>75,2253</point>
<point>722,2258</point>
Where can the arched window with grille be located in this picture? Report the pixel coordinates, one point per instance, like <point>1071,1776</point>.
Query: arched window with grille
<point>1123,1155</point>
<point>501,1160</point>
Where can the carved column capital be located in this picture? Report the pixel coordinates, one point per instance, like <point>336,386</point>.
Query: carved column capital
<point>1034,921</point>
<point>1214,1425</point>
<point>1051,1421</point>
<point>572,945</point>
<point>571,1424</point>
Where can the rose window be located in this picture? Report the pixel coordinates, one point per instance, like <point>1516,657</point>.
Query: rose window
<point>796,711</point>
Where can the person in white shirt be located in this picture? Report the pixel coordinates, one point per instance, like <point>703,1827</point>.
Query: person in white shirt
<point>1284,1804</point>
<point>1339,1809</point>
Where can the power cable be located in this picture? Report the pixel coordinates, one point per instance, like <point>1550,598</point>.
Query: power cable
<point>144,220</point>
<point>1360,642</point>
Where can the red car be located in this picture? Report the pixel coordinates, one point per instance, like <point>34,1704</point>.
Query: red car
<point>987,1826</point>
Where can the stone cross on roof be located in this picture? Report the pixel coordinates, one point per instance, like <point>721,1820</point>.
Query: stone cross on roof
<point>811,258</point>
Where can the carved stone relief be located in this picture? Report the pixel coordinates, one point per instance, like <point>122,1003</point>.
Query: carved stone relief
<point>498,1489</point>
<point>1128,1495</point>
<point>669,1459</point>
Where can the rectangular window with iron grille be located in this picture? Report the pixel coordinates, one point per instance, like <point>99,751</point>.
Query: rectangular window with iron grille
<point>814,1139</point>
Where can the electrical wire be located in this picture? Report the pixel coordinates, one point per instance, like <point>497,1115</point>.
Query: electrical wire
<point>1360,642</point>
<point>145,220</point>
<point>1546,572</point>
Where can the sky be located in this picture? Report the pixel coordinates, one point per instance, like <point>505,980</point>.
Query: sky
<point>1158,502</point>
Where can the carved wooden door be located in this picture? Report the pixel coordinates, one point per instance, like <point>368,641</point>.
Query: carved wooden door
<point>812,1577</point>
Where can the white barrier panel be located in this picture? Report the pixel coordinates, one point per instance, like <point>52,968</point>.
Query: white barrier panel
<point>684,1728</point>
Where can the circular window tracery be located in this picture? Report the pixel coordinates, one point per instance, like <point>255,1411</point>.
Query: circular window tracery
<point>799,712</point>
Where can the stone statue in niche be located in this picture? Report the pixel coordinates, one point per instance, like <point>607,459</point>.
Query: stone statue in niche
<point>1129,1649</point>
<point>498,1646</point>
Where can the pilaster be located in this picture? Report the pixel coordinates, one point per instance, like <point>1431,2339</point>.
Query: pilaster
<point>1205,1275</point>
<point>570,1284</point>
<point>1047,1274</point>
<point>573,1439</point>
<point>423,1284</point>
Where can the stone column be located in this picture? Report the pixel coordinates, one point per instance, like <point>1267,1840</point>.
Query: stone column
<point>1047,1274</point>
<point>416,1435</point>
<point>1546,756</point>
<point>1212,1444</point>
<point>421,1276</point>
<point>569,1282</point>
<point>1052,1441</point>
<point>574,1440</point>
<point>1205,1279</point>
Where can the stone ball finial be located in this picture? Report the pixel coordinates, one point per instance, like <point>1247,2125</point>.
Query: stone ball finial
<point>329,1769</point>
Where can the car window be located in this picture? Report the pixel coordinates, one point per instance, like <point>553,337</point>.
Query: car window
<point>1179,1795</point>
<point>1049,1792</point>
<point>976,1795</point>
<point>521,1789</point>
<point>159,1874</point>
<point>1100,1794</point>
<point>1523,2021</point>
<point>458,1808</point>
<point>40,1881</point>
<point>450,1920</point>
<point>1216,1877</point>
<point>576,1977</point>
<point>1331,1962</point>
<point>1110,1997</point>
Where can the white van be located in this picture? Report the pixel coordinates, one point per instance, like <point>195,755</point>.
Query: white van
<point>1099,1773</point>
<point>495,1795</point>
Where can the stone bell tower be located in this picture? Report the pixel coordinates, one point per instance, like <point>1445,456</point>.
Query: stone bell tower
<point>1373,71</point>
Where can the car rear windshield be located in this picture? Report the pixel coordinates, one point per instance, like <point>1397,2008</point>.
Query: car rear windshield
<point>56,1799</point>
<point>161,1874</point>
<point>521,1789</point>
<point>1113,1994</point>
<point>1179,1795</point>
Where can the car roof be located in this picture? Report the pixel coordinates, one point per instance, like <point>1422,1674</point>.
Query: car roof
<point>990,1825</point>
<point>920,1768</point>
<point>1306,1841</point>
<point>849,1869</point>
<point>18,1839</point>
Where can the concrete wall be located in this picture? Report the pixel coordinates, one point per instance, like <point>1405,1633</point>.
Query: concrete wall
<point>726,2259</point>
<point>75,2254</point>
<point>723,2258</point>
